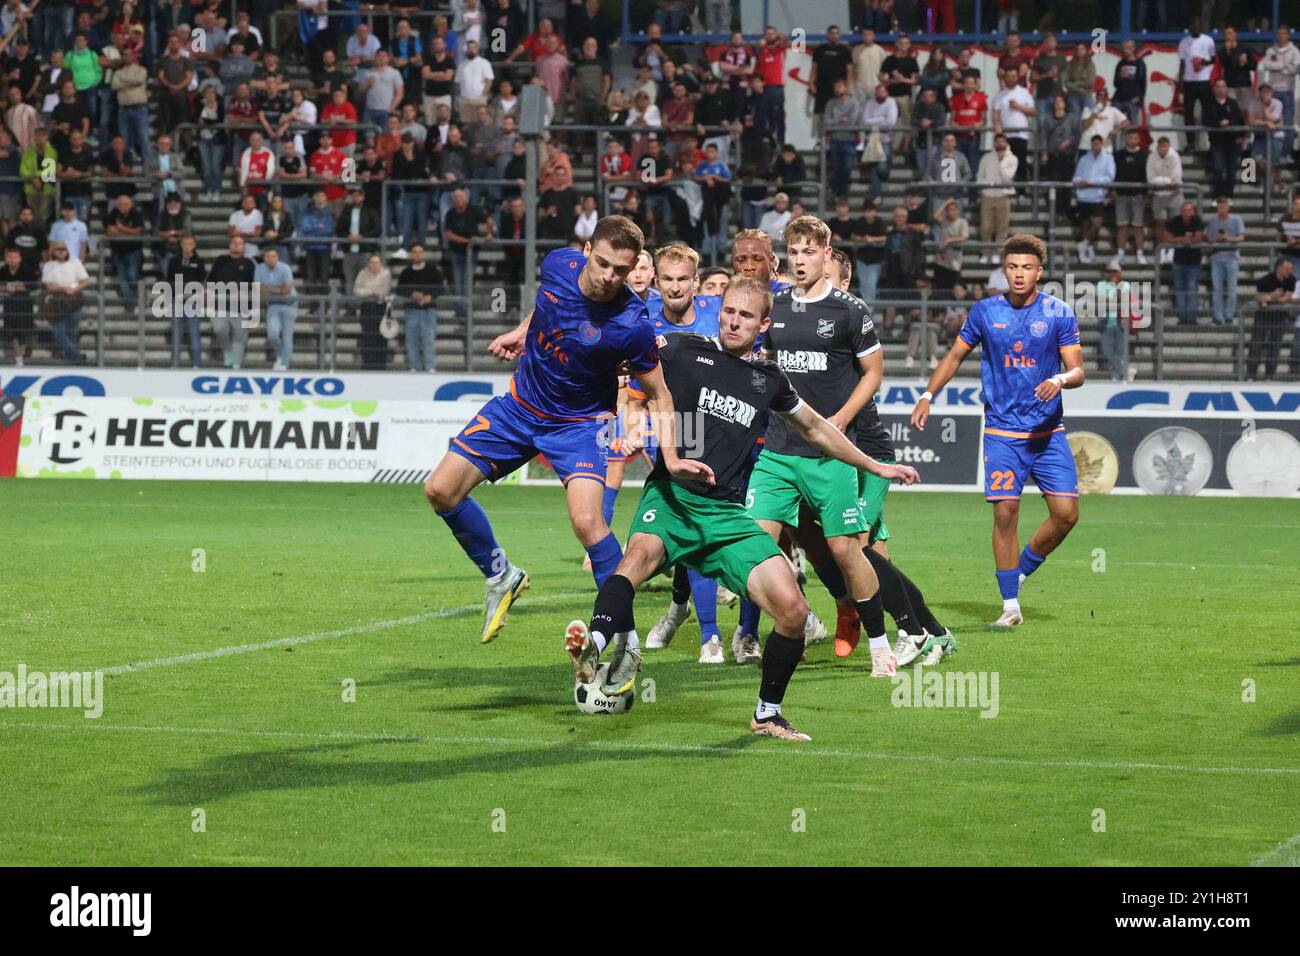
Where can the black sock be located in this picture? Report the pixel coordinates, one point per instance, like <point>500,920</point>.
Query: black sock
<point>893,594</point>
<point>681,585</point>
<point>780,658</point>
<point>924,616</point>
<point>613,611</point>
<point>872,615</point>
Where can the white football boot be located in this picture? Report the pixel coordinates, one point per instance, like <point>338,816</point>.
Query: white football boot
<point>661,635</point>
<point>814,631</point>
<point>498,595</point>
<point>883,662</point>
<point>745,648</point>
<point>908,647</point>
<point>1011,616</point>
<point>711,652</point>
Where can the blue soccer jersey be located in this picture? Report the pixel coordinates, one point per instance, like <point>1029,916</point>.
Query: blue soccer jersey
<point>1021,349</point>
<point>704,322</point>
<point>575,347</point>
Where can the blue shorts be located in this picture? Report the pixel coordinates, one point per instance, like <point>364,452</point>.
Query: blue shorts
<point>1010,461</point>
<point>504,436</point>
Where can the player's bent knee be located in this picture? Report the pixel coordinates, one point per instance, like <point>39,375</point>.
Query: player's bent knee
<point>441,497</point>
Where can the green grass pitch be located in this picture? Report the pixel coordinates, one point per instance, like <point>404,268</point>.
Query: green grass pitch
<point>1122,695</point>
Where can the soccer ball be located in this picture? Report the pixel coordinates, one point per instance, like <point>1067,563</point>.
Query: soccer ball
<point>592,700</point>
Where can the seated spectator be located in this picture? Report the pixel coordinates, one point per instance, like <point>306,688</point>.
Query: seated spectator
<point>275,277</point>
<point>1275,310</point>
<point>372,286</point>
<point>419,285</point>
<point>246,222</point>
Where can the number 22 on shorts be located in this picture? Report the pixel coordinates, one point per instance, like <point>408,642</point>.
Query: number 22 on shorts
<point>1002,480</point>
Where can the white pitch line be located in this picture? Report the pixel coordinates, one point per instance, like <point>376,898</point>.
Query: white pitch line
<point>616,746</point>
<point>1286,853</point>
<point>370,628</point>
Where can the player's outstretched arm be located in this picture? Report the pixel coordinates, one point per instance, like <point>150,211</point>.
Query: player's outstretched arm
<point>873,373</point>
<point>941,377</point>
<point>510,345</point>
<point>826,438</point>
<point>661,400</point>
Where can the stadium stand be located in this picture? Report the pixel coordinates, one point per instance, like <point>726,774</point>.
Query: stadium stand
<point>673,88</point>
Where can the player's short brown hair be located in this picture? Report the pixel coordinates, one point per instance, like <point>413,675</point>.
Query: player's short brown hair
<point>1023,244</point>
<point>751,286</point>
<point>619,232</point>
<point>756,235</point>
<point>677,252</point>
<point>810,228</point>
<point>841,259</point>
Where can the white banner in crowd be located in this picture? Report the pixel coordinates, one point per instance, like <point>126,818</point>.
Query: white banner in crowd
<point>236,439</point>
<point>896,395</point>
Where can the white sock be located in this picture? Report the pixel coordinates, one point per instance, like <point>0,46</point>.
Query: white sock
<point>1021,582</point>
<point>496,578</point>
<point>875,643</point>
<point>679,610</point>
<point>633,641</point>
<point>1011,604</point>
<point>600,640</point>
<point>765,710</point>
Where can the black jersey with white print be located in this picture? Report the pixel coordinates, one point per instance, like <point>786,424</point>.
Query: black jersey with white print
<point>722,403</point>
<point>818,342</point>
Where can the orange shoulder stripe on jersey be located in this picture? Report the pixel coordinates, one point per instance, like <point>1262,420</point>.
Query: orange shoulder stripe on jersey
<point>1003,434</point>
<point>964,344</point>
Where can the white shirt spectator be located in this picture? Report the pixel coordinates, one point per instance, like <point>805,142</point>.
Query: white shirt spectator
<point>993,170</point>
<point>1202,48</point>
<point>1259,113</point>
<point>468,23</point>
<point>1165,171</point>
<point>1105,119</point>
<point>311,6</point>
<point>1015,124</point>
<point>73,234</point>
<point>876,113</point>
<point>246,223</point>
<point>66,273</point>
<point>773,223</point>
<point>586,225</point>
<point>997,281</point>
<point>474,77</point>
<point>1279,68</point>
<point>650,117</point>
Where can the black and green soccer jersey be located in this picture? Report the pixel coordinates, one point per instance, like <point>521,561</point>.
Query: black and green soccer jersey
<point>817,342</point>
<point>722,404</point>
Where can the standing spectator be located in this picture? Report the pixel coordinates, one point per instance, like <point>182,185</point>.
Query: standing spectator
<point>275,278</point>
<point>361,49</point>
<point>927,116</point>
<point>17,283</point>
<point>777,218</point>
<point>715,108</point>
<point>1114,294</point>
<point>1048,74</point>
<point>1224,227</point>
<point>419,284</point>
<point>130,84</point>
<point>1165,174</point>
<point>166,170</point>
<point>880,113</point>
<point>1131,195</point>
<point>255,172</point>
<point>21,118</point>
<point>437,76</point>
<point>82,63</point>
<point>1080,76</point>
<point>1093,175</point>
<point>552,68</point>
<point>588,215</point>
<point>460,231</point>
<point>373,285</point>
<point>212,143</point>
<point>904,262</point>
<point>950,166</point>
<point>340,116</point>
<point>590,22</point>
<point>413,200</point>
<point>651,56</point>
<point>868,56</point>
<point>1274,292</point>
<point>737,63</point>
<point>1130,82</point>
<point>1103,120</point>
<point>1012,107</point>
<point>715,184</point>
<point>36,161</point>
<point>278,226</point>
<point>76,173</point>
<point>473,82</point>
<point>383,91</point>
<point>843,110</point>
<point>1288,233</point>
<point>64,280</point>
<point>900,73</point>
<point>1060,142</point>
<point>870,232</point>
<point>997,174</point>
<point>174,78</point>
<point>771,68</point>
<point>327,164</point>
<point>246,222</point>
<point>1196,56</point>
<point>1225,146</point>
<point>241,112</point>
<point>1266,113</point>
<point>228,326</point>
<point>590,85</point>
<point>759,124</point>
<point>1015,58</point>
<point>72,232</point>
<point>317,222</point>
<point>968,109</point>
<point>359,225</point>
<point>1187,232</point>
<point>11,185</point>
<point>124,222</point>
<point>832,62</point>
<point>291,174</point>
<point>407,58</point>
<point>513,229</point>
<point>1279,69</point>
<point>1237,64</point>
<point>30,239</point>
<point>952,230</point>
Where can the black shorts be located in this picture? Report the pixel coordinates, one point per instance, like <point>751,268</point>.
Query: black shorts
<point>1089,210</point>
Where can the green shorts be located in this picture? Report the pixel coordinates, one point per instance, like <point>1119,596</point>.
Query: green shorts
<point>871,501</point>
<point>830,488</point>
<point>716,538</point>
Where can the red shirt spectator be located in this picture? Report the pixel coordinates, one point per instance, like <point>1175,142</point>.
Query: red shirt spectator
<point>771,59</point>
<point>343,112</point>
<point>967,108</point>
<point>327,163</point>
